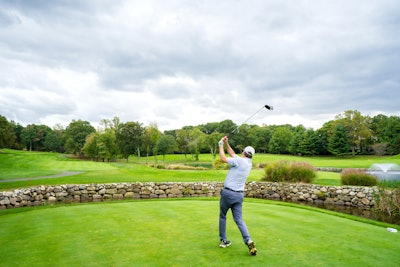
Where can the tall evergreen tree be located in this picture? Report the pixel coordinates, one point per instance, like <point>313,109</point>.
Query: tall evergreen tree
<point>338,142</point>
<point>280,140</point>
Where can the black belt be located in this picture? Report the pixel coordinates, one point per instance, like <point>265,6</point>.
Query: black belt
<point>233,190</point>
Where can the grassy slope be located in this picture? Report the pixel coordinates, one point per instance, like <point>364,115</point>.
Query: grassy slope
<point>16,164</point>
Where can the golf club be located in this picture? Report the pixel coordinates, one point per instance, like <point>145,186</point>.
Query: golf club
<point>265,106</point>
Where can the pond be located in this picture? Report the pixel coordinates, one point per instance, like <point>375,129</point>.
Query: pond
<point>385,171</point>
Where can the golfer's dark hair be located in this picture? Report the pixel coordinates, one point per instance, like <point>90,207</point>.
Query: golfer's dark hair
<point>248,155</point>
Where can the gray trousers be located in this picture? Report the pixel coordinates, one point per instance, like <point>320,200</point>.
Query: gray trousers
<point>232,200</point>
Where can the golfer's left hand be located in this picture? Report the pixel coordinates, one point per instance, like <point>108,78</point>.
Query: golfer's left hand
<point>221,142</point>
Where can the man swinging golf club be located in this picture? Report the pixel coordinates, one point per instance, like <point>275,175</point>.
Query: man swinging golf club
<point>232,194</point>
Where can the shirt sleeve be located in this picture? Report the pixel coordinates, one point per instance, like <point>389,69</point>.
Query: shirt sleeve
<point>233,162</point>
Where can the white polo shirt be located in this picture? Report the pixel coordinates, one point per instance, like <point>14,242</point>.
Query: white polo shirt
<point>238,173</point>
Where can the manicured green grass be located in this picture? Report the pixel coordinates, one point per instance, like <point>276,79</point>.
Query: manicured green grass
<point>185,233</point>
<point>22,164</point>
<point>18,164</point>
<point>323,161</point>
<point>327,178</point>
<point>180,232</point>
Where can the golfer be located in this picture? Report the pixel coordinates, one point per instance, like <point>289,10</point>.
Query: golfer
<point>233,192</point>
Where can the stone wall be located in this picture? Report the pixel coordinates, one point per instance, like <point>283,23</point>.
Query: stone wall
<point>42,195</point>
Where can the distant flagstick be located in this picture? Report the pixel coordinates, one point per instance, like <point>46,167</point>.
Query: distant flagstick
<point>265,106</point>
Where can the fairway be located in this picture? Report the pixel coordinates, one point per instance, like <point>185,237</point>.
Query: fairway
<point>184,232</point>
<point>17,165</point>
<point>22,164</point>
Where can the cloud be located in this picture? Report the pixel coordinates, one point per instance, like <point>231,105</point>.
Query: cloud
<point>183,63</point>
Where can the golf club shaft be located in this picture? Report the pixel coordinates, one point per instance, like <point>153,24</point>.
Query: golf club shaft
<point>266,106</point>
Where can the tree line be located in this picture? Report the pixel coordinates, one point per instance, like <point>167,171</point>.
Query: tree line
<point>350,133</point>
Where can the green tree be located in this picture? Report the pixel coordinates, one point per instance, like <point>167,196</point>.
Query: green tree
<point>196,138</point>
<point>90,148</point>
<point>171,132</point>
<point>260,137</point>
<point>211,127</point>
<point>75,135</point>
<point>379,124</point>
<point>106,145</point>
<point>150,138</point>
<point>211,141</point>
<point>226,127</point>
<point>338,142</point>
<point>308,143</point>
<point>59,130</point>
<point>242,137</point>
<point>129,139</point>
<point>297,139</point>
<point>42,132</point>
<point>183,140</point>
<point>17,130</point>
<point>29,136</point>
<point>380,149</point>
<point>101,145</point>
<point>321,141</point>
<point>393,135</point>
<point>280,140</point>
<point>357,127</point>
<point>386,133</point>
<point>165,145</point>
<point>112,124</point>
<point>7,134</point>
<point>52,142</point>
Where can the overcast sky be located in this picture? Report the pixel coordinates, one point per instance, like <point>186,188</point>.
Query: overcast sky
<point>179,63</point>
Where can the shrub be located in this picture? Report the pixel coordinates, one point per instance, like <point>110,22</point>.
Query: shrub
<point>204,165</point>
<point>357,177</point>
<point>262,165</point>
<point>388,201</point>
<point>277,171</point>
<point>285,171</point>
<point>157,166</point>
<point>219,165</point>
<point>302,172</point>
<point>183,167</point>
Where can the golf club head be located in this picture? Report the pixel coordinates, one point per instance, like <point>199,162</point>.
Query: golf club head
<point>269,107</point>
